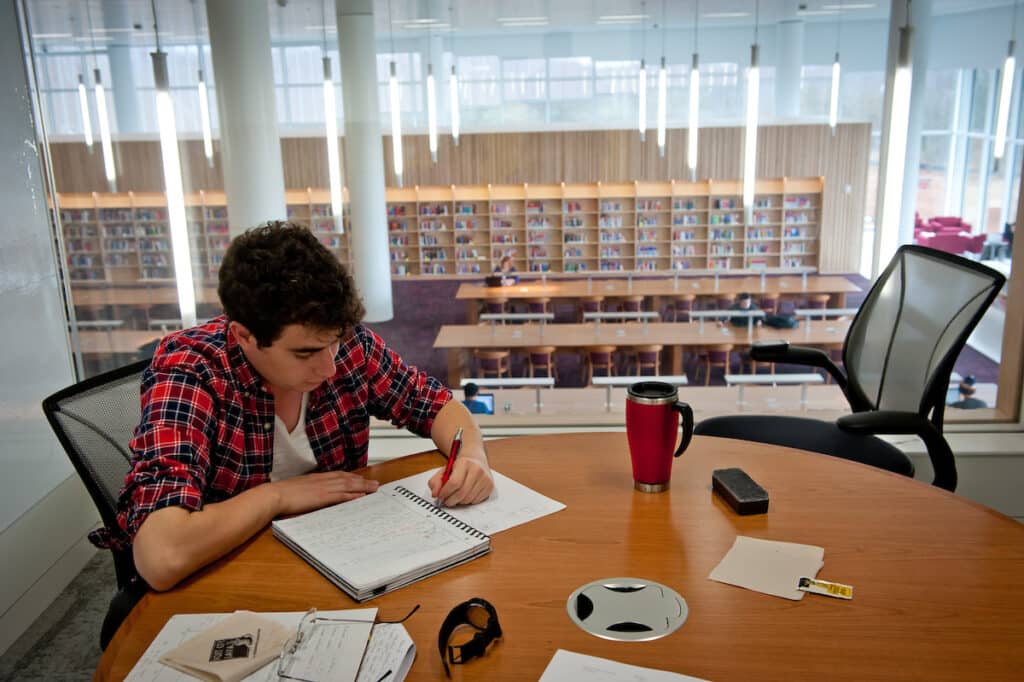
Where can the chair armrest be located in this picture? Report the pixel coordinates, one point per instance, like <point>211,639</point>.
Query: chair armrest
<point>892,422</point>
<point>781,351</point>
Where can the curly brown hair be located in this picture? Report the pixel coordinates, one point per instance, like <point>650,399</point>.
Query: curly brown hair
<point>279,274</point>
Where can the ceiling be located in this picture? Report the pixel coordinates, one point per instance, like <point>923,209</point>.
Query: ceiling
<point>62,24</point>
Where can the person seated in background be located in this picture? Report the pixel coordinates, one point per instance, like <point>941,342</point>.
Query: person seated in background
<point>743,302</point>
<point>507,269</point>
<point>266,410</point>
<point>967,400</point>
<point>471,402</point>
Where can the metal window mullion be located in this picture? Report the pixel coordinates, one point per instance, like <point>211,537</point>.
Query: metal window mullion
<point>985,169</point>
<point>958,188</point>
<point>1009,162</point>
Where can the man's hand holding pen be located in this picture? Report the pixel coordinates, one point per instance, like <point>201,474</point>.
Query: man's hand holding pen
<point>466,479</point>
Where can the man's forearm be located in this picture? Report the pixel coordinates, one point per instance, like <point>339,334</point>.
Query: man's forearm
<point>450,419</point>
<point>173,542</point>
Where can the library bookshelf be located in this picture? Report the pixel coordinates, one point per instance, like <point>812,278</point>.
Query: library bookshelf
<point>588,228</point>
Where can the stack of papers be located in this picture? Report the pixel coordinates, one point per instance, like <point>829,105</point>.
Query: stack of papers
<point>334,654</point>
<point>770,567</point>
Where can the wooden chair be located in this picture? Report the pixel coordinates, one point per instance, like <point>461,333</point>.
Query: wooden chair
<point>540,361</point>
<point>537,305</point>
<point>724,301</point>
<point>631,304</point>
<point>818,301</point>
<point>599,358</point>
<point>648,358</point>
<point>719,355</point>
<point>590,304</point>
<point>769,303</point>
<point>492,363</point>
<point>681,307</point>
<point>495,306</point>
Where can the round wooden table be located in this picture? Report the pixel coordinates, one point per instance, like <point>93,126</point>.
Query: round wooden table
<point>937,579</point>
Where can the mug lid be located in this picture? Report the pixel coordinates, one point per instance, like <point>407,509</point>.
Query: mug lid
<point>655,391</point>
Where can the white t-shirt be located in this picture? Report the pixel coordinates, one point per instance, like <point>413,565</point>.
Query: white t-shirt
<point>293,455</point>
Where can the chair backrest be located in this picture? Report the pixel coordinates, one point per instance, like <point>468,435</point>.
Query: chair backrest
<point>94,420</point>
<point>901,347</point>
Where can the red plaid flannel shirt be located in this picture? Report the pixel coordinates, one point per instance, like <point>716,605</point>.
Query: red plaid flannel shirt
<point>207,428</point>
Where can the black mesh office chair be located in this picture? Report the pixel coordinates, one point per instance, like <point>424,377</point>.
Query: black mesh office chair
<point>94,420</point>
<point>898,356</point>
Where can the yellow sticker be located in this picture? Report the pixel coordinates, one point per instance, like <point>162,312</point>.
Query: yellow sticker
<point>829,589</point>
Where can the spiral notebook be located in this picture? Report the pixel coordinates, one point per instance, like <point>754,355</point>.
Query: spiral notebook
<point>380,542</point>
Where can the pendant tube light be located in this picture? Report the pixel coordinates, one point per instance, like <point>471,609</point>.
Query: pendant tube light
<point>102,116</point>
<point>431,113</point>
<point>172,183</point>
<point>693,122</point>
<point>833,100</point>
<point>641,82</point>
<point>662,107</point>
<point>750,137</point>
<point>896,149</point>
<point>333,158</point>
<point>453,88</point>
<point>396,122</point>
<point>104,120</point>
<point>83,105</point>
<point>334,181</point>
<point>641,86</point>
<point>1006,90</point>
<point>204,118</point>
<point>204,95</point>
<point>395,104</point>
<point>453,85</point>
<point>662,87</point>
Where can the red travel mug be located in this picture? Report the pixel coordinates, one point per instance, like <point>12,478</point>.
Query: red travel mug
<point>653,412</point>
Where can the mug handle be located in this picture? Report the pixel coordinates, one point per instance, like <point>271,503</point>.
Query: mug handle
<point>687,418</point>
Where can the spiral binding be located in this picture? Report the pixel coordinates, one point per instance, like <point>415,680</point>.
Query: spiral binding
<point>434,509</point>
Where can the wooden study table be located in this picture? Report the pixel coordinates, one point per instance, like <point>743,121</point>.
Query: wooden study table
<point>937,590</point>
<point>460,339</point>
<point>659,287</point>
<point>157,294</point>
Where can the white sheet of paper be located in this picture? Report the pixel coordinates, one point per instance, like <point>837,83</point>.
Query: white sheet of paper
<point>389,648</point>
<point>768,566</point>
<point>568,666</point>
<point>511,503</point>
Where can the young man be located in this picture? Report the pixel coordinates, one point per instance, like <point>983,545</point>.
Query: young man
<point>472,403</point>
<point>743,302</point>
<point>967,400</point>
<point>265,410</point>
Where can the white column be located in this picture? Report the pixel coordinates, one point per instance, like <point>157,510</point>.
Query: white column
<point>250,146</point>
<point>920,33</point>
<point>921,20</point>
<point>122,78</point>
<point>787,71</point>
<point>364,158</point>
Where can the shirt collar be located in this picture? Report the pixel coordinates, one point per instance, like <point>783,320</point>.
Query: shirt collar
<point>248,378</point>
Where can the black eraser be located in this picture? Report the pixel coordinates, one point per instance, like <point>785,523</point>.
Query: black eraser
<point>740,491</point>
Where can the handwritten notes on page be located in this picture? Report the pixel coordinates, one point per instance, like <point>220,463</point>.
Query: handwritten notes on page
<point>567,666</point>
<point>511,503</point>
<point>339,650</point>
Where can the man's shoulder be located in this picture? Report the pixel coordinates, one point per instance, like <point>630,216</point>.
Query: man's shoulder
<point>197,349</point>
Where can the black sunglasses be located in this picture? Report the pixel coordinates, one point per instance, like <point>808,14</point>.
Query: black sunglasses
<point>467,631</point>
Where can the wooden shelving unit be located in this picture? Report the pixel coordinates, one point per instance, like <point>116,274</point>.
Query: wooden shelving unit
<point>466,230</point>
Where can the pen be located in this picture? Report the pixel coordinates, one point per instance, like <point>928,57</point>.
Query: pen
<point>453,452</point>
